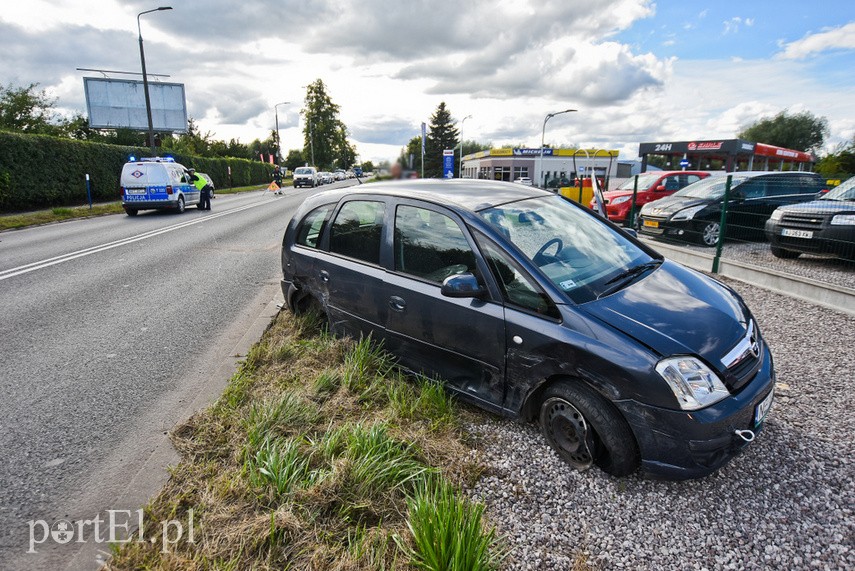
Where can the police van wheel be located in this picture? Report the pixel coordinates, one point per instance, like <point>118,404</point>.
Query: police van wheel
<point>180,204</point>
<point>131,211</point>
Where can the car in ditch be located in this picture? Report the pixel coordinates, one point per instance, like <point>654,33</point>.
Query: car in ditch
<point>825,226</point>
<point>535,308</point>
<point>694,213</point>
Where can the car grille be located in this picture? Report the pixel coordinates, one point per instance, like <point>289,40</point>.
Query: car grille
<point>802,221</point>
<point>744,360</point>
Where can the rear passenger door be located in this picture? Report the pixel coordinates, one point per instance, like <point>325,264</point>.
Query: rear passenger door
<point>348,273</point>
<point>461,341</point>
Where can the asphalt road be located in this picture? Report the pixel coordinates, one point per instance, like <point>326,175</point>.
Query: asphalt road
<point>112,328</point>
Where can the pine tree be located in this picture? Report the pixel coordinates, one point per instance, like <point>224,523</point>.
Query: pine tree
<point>324,135</point>
<point>442,135</point>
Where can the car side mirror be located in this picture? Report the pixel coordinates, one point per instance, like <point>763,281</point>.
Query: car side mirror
<point>660,188</point>
<point>631,232</point>
<point>462,285</point>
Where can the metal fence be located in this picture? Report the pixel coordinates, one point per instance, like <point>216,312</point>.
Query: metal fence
<point>762,218</point>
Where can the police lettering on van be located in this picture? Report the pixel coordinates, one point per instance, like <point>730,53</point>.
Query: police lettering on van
<point>156,183</point>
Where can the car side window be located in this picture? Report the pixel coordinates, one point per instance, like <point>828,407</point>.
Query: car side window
<point>692,178</point>
<point>357,230</point>
<point>430,245</point>
<point>754,188</point>
<point>309,232</point>
<point>518,288</point>
<point>671,182</point>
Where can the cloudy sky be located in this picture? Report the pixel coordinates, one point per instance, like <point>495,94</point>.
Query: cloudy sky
<point>636,70</point>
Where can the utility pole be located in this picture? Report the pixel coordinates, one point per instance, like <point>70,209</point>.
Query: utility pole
<point>145,79</point>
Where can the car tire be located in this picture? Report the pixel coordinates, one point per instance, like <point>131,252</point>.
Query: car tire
<point>180,207</point>
<point>308,306</point>
<point>585,429</point>
<point>132,211</point>
<point>784,254</point>
<point>708,233</point>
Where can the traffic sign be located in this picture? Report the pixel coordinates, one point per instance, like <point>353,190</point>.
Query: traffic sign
<point>448,163</point>
<point>684,163</point>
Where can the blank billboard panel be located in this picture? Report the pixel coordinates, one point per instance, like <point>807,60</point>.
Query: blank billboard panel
<point>116,103</point>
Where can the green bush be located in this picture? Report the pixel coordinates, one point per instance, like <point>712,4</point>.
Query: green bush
<point>39,171</point>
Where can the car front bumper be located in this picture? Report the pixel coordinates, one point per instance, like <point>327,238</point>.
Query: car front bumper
<point>680,445</point>
<point>833,240</point>
<point>684,229</point>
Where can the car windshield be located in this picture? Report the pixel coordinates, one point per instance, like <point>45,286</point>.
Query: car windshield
<point>578,252</point>
<point>303,170</point>
<point>845,191</point>
<point>710,188</point>
<point>645,181</point>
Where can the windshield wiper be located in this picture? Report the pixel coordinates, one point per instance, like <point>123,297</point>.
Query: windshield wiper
<point>626,275</point>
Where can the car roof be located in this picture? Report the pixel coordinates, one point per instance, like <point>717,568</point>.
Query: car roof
<point>751,174</point>
<point>468,194</point>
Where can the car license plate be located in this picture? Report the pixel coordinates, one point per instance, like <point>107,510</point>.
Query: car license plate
<point>763,408</point>
<point>651,223</point>
<point>135,190</point>
<point>796,233</point>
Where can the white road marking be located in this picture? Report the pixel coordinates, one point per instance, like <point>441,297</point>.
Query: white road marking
<point>26,268</point>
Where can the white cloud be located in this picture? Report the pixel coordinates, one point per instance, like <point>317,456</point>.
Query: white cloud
<point>842,37</point>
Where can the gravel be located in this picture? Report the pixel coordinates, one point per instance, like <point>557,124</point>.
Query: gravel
<point>823,269</point>
<point>787,502</point>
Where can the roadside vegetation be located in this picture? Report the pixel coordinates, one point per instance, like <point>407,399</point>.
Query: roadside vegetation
<point>320,454</point>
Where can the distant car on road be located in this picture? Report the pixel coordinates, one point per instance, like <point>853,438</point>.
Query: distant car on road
<point>533,307</point>
<point>306,176</point>
<point>524,180</point>
<point>651,186</point>
<point>823,226</point>
<point>694,213</point>
<point>327,177</point>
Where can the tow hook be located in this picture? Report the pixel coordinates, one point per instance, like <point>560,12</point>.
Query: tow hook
<point>746,435</point>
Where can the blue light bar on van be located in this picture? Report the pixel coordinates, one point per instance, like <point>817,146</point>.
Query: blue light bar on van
<point>157,160</point>
<point>132,159</point>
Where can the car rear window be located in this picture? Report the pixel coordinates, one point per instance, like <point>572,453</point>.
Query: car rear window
<point>357,230</point>
<point>309,233</point>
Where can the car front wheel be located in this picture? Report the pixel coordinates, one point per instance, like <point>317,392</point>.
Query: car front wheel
<point>709,233</point>
<point>585,429</point>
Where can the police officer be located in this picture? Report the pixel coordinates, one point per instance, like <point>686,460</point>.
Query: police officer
<point>204,189</point>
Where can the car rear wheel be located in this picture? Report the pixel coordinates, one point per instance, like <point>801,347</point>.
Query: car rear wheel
<point>180,208</point>
<point>784,254</point>
<point>709,233</point>
<point>585,429</point>
<point>131,211</point>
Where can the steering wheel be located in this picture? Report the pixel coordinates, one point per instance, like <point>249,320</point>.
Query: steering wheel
<point>541,258</point>
<point>448,271</point>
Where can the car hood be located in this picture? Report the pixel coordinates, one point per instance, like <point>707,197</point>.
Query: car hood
<point>676,311</point>
<point>615,193</point>
<point>672,204</point>
<point>821,207</point>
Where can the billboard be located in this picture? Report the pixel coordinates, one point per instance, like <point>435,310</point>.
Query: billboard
<point>116,103</point>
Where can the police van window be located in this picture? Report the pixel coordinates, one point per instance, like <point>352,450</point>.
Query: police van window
<point>430,245</point>
<point>312,225</point>
<point>357,229</point>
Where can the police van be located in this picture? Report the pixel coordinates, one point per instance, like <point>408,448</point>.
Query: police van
<point>156,183</point>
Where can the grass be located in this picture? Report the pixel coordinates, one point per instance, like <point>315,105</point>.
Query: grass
<point>320,454</point>
<point>25,219</point>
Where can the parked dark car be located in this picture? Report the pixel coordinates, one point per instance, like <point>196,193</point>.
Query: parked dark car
<point>694,213</point>
<point>823,226</point>
<point>651,186</point>
<point>533,307</point>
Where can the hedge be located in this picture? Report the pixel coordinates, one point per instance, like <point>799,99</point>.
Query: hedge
<point>38,171</point>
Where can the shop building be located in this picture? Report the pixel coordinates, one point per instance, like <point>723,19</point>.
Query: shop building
<point>724,154</point>
<point>558,167</point>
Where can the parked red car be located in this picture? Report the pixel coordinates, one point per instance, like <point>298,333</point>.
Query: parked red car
<point>651,186</point>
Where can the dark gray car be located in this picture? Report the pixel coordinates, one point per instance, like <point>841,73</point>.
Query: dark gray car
<point>533,307</point>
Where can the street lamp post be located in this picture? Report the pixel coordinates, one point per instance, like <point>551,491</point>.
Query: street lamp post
<point>278,140</point>
<point>460,170</point>
<point>543,140</point>
<point>145,78</point>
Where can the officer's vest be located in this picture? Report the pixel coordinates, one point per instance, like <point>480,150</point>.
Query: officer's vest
<point>200,183</point>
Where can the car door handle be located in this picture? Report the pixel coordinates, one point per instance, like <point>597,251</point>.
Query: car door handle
<point>397,303</point>
<point>325,276</point>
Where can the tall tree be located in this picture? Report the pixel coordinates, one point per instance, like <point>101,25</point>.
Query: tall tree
<point>27,110</point>
<point>324,135</point>
<point>412,149</point>
<point>802,132</point>
<point>442,135</point>
<point>294,159</point>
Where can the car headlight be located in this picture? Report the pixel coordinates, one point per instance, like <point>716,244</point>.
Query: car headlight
<point>620,200</point>
<point>776,215</point>
<point>843,220</point>
<point>688,213</point>
<point>694,384</point>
